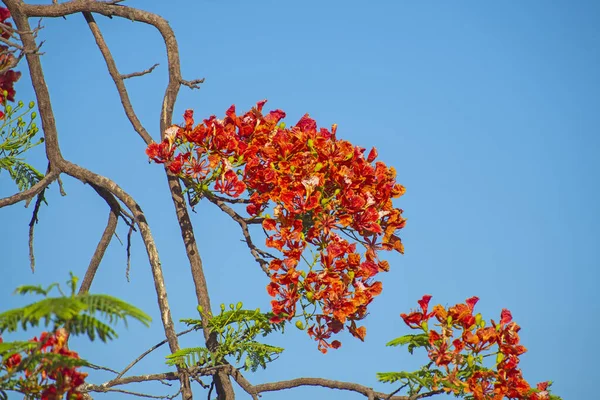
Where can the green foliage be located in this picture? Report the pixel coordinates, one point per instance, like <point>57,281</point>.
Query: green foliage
<point>413,341</point>
<point>16,137</point>
<point>415,381</point>
<point>22,361</point>
<point>237,330</point>
<point>77,312</point>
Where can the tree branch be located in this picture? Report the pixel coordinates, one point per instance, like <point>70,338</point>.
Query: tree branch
<point>107,235</point>
<point>117,78</point>
<point>34,220</point>
<point>31,192</point>
<point>141,73</point>
<point>20,14</point>
<point>257,253</point>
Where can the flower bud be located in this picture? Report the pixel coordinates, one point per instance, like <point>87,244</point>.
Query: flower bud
<point>300,325</point>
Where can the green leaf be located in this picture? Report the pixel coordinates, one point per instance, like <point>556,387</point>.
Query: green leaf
<point>413,341</point>
<point>391,377</point>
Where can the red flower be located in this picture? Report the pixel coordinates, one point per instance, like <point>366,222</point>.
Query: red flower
<point>230,185</point>
<point>12,361</point>
<point>416,318</point>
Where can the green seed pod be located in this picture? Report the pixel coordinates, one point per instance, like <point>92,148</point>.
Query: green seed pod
<point>478,319</point>
<point>470,360</point>
<point>499,358</point>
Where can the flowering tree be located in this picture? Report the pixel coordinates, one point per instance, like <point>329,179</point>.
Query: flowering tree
<point>327,210</point>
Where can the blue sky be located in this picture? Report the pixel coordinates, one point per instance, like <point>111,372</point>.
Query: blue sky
<point>488,111</point>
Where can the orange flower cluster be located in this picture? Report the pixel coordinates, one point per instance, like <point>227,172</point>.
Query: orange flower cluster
<point>8,77</point>
<point>42,379</point>
<point>462,358</point>
<point>324,195</point>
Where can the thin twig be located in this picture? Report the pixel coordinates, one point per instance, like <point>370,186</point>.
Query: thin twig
<point>141,73</point>
<point>150,350</point>
<point>109,231</point>
<point>257,253</point>
<point>11,44</point>
<point>31,192</point>
<point>117,78</point>
<point>129,233</point>
<point>193,84</point>
<point>34,220</point>
<point>233,201</point>
<point>138,394</point>
<point>61,187</point>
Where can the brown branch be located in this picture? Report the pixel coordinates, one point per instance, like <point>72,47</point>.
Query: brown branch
<point>255,390</point>
<point>34,220</point>
<point>107,235</point>
<point>231,201</point>
<point>150,350</point>
<point>193,84</point>
<point>11,44</point>
<point>224,387</point>
<point>117,78</point>
<point>140,73</point>
<point>20,14</point>
<point>257,253</point>
<point>31,192</point>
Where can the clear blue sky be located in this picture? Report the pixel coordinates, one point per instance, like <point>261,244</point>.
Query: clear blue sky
<point>489,111</point>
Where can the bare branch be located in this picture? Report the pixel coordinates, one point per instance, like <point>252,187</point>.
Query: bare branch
<point>194,84</point>
<point>141,73</point>
<point>11,44</point>
<point>117,78</point>
<point>61,187</point>
<point>34,220</point>
<point>150,350</point>
<point>257,253</point>
<point>20,14</point>
<point>31,192</point>
<point>107,235</point>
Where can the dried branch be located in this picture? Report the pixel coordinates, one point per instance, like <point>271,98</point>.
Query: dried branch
<point>231,201</point>
<point>257,253</point>
<point>141,73</point>
<point>194,84</point>
<point>255,390</point>
<point>150,350</point>
<point>31,192</point>
<point>11,44</point>
<point>20,14</point>
<point>117,78</point>
<point>109,231</point>
<point>34,220</point>
<point>128,268</point>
